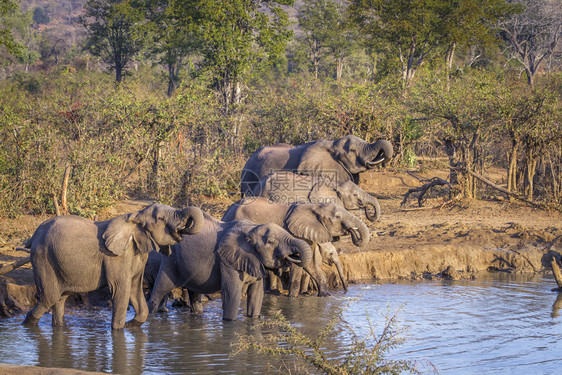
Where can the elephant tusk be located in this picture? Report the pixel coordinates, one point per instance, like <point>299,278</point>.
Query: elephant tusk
<point>292,260</point>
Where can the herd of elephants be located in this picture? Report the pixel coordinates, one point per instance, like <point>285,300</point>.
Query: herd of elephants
<point>295,202</point>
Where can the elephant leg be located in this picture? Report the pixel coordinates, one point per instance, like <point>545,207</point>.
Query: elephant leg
<point>46,300</point>
<point>275,284</point>
<point>319,275</point>
<point>295,281</point>
<point>231,292</point>
<point>305,282</point>
<point>58,312</point>
<point>138,301</point>
<point>166,280</point>
<point>254,299</point>
<point>121,293</point>
<point>195,302</point>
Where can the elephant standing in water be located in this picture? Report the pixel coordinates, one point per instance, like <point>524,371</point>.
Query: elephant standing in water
<point>71,254</point>
<point>344,158</point>
<point>288,187</point>
<point>319,224</point>
<point>228,257</point>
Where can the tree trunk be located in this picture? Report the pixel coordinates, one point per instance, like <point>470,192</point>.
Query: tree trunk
<point>449,56</point>
<point>512,167</point>
<point>171,80</point>
<point>531,167</point>
<point>339,68</point>
<point>118,73</point>
<point>451,152</point>
<point>154,182</point>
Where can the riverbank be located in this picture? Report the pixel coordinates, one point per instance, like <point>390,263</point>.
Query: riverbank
<point>408,242</point>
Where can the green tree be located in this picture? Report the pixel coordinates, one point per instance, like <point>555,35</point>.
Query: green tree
<point>326,31</point>
<point>115,32</point>
<point>416,31</point>
<point>171,39</point>
<point>6,38</point>
<point>235,37</point>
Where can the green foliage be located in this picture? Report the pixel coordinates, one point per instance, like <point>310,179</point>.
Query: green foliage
<point>7,40</point>
<point>365,355</point>
<point>115,32</point>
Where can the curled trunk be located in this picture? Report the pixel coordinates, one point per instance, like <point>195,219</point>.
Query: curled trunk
<point>195,220</point>
<point>358,231</point>
<point>379,152</point>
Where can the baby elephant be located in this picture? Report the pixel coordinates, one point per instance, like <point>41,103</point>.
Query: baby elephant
<point>288,187</point>
<point>71,254</point>
<point>228,257</point>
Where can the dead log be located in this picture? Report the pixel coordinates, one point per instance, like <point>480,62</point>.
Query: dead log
<point>435,181</point>
<point>557,274</point>
<point>505,191</point>
<point>12,266</point>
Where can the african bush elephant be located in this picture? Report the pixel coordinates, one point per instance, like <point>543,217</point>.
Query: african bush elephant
<point>344,158</point>
<point>288,187</point>
<point>319,224</point>
<point>228,257</point>
<point>71,254</point>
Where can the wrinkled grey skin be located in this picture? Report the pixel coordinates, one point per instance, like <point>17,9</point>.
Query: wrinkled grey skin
<point>288,187</point>
<point>71,254</point>
<point>228,257</point>
<point>344,158</point>
<point>319,224</point>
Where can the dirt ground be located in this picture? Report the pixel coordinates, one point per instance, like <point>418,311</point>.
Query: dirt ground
<point>436,240</point>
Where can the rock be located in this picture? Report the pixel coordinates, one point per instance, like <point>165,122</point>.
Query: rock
<point>15,299</point>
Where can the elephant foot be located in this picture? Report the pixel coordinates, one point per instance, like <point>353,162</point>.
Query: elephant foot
<point>30,321</point>
<point>133,323</point>
<point>197,309</point>
<point>323,293</point>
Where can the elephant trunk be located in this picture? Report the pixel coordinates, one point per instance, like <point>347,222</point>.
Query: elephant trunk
<point>372,208</point>
<point>194,220</point>
<point>358,231</point>
<point>339,268</point>
<point>301,254</point>
<point>381,152</point>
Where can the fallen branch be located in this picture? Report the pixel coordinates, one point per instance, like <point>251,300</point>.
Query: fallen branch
<point>557,274</point>
<point>435,181</point>
<point>12,266</point>
<point>505,191</point>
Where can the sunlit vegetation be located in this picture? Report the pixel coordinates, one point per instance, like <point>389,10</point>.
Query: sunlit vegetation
<point>167,98</point>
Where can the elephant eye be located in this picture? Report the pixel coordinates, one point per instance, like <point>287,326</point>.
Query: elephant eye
<point>338,215</point>
<point>271,241</point>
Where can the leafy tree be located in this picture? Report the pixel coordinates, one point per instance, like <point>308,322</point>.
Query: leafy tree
<point>115,32</point>
<point>235,37</point>
<point>6,38</point>
<point>172,39</point>
<point>40,16</point>
<point>326,31</point>
<point>415,31</point>
<point>533,34</point>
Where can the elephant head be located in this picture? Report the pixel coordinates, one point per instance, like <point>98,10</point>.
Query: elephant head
<point>325,223</point>
<point>331,257</point>
<point>353,197</point>
<point>156,227</point>
<point>253,248</point>
<point>353,153</point>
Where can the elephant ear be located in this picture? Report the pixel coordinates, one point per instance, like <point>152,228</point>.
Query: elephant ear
<point>238,252</point>
<point>314,158</point>
<point>303,223</point>
<point>119,234</point>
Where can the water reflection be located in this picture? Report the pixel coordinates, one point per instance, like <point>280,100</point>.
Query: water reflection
<point>500,324</point>
<point>556,306</point>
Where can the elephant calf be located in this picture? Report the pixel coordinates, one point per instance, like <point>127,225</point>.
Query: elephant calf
<point>228,257</point>
<point>319,224</point>
<point>288,187</point>
<point>71,254</point>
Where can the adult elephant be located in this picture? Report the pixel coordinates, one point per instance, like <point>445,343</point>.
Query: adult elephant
<point>344,158</point>
<point>288,187</point>
<point>228,257</point>
<point>71,254</point>
<point>319,224</point>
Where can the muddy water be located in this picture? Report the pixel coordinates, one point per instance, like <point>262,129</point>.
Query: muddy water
<point>500,324</point>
